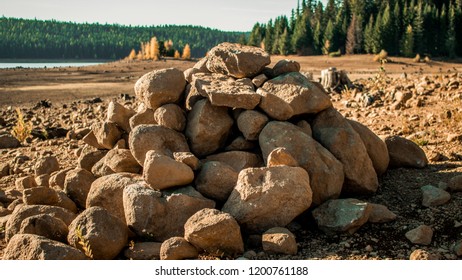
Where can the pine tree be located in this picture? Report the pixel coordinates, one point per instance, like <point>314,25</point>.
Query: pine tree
<point>328,38</point>
<point>417,28</point>
<point>451,32</point>
<point>269,37</point>
<point>302,38</point>
<point>186,52</point>
<point>408,42</point>
<point>256,35</point>
<point>377,36</point>
<point>354,36</point>
<point>284,43</point>
<point>369,36</point>
<point>317,38</point>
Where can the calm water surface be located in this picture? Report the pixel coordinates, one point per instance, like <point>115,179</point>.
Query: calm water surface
<point>47,64</point>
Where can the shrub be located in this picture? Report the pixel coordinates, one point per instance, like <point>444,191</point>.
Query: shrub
<point>416,58</point>
<point>21,130</point>
<point>335,54</point>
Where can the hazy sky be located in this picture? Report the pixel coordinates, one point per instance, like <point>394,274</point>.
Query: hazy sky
<point>230,15</point>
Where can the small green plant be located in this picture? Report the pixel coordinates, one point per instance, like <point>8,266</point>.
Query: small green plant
<point>22,129</point>
<point>335,54</point>
<point>421,142</point>
<point>84,243</point>
<point>2,229</point>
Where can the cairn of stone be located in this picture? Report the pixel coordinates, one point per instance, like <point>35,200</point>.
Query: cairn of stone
<point>228,149</point>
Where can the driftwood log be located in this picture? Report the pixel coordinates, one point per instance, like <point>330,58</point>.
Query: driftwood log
<point>334,80</point>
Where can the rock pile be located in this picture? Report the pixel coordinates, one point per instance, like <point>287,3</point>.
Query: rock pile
<point>223,150</point>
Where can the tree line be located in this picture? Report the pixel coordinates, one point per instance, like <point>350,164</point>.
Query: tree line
<point>401,27</point>
<point>24,38</point>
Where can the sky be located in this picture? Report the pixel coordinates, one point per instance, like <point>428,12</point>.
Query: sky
<point>227,15</point>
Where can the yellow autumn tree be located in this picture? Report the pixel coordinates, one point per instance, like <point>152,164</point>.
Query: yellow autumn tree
<point>154,52</point>
<point>168,45</point>
<point>177,55</point>
<point>132,55</point>
<point>186,52</point>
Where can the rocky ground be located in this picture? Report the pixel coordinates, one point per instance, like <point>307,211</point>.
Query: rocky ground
<point>424,107</point>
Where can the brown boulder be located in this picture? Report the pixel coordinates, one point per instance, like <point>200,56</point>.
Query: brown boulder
<point>107,134</point>
<point>177,248</point>
<point>375,146</point>
<point>171,116</point>
<point>162,172</point>
<point>216,180</point>
<point>158,216</point>
<point>269,197</point>
<point>166,141</point>
<point>46,226</point>
<point>77,185</point>
<point>207,128</point>
<point>405,153</point>
<point>280,241</point>
<point>214,232</point>
<point>334,132</point>
<point>144,116</point>
<point>237,159</point>
<point>290,95</point>
<point>106,234</point>
<point>88,158</point>
<point>285,66</point>
<point>46,165</point>
<point>236,60</point>
<point>21,213</point>
<point>222,90</point>
<point>160,87</point>
<point>251,123</point>
<point>35,247</point>
<point>119,115</point>
<point>121,160</point>
<point>107,192</point>
<point>40,196</point>
<point>326,172</point>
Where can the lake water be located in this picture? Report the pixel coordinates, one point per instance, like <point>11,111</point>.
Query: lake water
<point>47,64</point>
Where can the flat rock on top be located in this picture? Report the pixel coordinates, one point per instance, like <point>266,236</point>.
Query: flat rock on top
<point>236,60</point>
<point>292,94</point>
<point>222,90</point>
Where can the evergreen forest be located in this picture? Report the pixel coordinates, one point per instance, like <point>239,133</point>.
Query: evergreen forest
<point>24,38</point>
<point>400,27</point>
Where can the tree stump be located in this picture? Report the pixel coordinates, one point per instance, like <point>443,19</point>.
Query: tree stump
<point>335,81</point>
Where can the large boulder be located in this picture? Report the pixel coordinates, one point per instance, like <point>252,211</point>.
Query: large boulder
<point>280,241</point>
<point>251,123</point>
<point>121,160</point>
<point>216,180</point>
<point>222,90</point>
<point>214,232</point>
<point>159,216</point>
<point>290,95</point>
<point>171,116</point>
<point>8,141</point>
<point>334,132</point>
<point>162,172</point>
<point>144,138</point>
<point>21,213</point>
<point>208,127</point>
<point>177,248</point>
<point>326,172</point>
<point>405,153</point>
<point>107,134</point>
<point>46,226</point>
<point>89,157</point>
<point>40,196</point>
<point>120,115</point>
<point>236,60</point>
<point>46,165</point>
<point>35,247</point>
<point>375,146</point>
<point>106,234</point>
<point>77,185</point>
<point>107,192</point>
<point>160,87</point>
<point>269,197</point>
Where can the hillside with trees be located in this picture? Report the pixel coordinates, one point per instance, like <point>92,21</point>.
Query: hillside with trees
<point>401,27</point>
<point>23,38</point>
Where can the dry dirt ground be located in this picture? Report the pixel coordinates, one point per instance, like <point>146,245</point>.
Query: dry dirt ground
<point>432,118</point>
